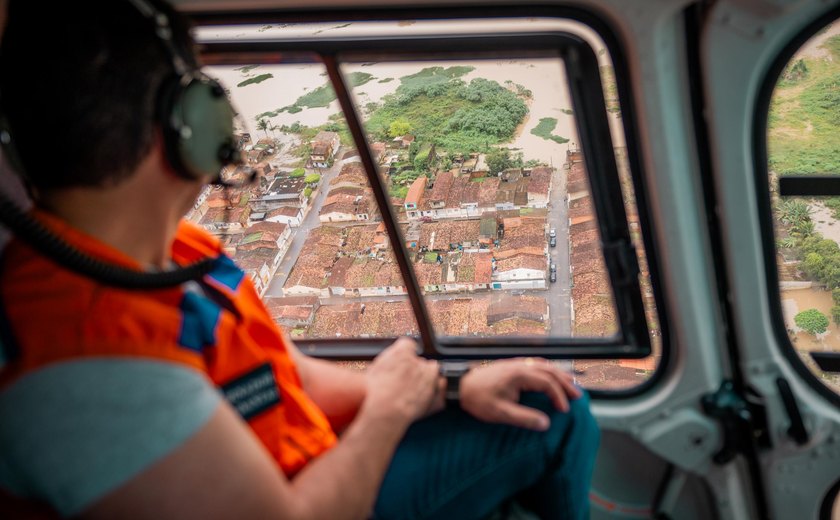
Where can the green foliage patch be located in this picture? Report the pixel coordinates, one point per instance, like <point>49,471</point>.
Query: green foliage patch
<point>255,80</point>
<point>545,128</point>
<point>455,116</point>
<point>811,321</point>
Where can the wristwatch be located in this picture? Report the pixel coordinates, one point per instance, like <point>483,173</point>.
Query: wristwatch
<point>453,371</point>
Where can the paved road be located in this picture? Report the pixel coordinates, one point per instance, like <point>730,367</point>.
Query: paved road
<point>300,233</point>
<point>559,293</point>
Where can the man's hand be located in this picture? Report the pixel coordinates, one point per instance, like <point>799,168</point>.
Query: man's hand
<point>400,384</point>
<point>491,393</point>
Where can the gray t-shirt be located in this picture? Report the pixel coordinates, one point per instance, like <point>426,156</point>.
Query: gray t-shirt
<point>71,432</point>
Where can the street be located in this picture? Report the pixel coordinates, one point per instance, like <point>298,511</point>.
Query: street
<point>310,222</point>
<point>559,293</point>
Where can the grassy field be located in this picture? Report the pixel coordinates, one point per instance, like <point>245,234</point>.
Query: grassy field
<point>804,120</point>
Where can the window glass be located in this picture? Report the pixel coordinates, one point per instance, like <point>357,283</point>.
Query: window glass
<point>804,138</point>
<point>491,193</point>
<point>482,163</point>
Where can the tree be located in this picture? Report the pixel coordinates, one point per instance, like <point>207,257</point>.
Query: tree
<point>312,178</point>
<point>263,125</point>
<point>499,160</point>
<point>811,321</point>
<point>399,127</point>
<point>297,172</point>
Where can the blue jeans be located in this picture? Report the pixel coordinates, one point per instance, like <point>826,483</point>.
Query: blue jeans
<point>452,466</point>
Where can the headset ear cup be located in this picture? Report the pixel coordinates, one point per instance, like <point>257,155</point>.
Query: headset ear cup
<point>197,122</point>
<point>206,143</point>
<point>170,123</point>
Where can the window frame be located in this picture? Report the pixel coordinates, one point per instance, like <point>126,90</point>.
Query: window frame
<point>804,185</point>
<point>229,53</point>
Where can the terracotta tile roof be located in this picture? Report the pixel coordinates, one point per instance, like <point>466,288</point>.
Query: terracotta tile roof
<point>585,237</point>
<point>506,307</point>
<point>577,173</point>
<point>440,191</point>
<point>358,239</point>
<point>438,235</point>
<point>607,375</point>
<point>537,263</point>
<point>325,137</point>
<point>428,273</point>
<point>375,319</point>
<point>286,211</point>
<point>351,172</point>
<point>317,256</point>
<point>357,273</point>
<point>540,180</point>
<point>415,192</point>
<point>295,308</point>
<point>474,268</point>
<point>254,259</point>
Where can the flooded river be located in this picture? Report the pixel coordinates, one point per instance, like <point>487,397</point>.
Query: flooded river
<point>797,300</point>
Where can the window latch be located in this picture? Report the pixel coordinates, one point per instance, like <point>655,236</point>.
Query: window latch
<point>744,421</point>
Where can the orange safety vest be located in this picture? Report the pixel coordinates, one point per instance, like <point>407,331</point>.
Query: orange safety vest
<point>222,329</point>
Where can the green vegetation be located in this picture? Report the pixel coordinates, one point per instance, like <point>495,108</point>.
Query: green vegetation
<point>399,127</point>
<point>320,97</point>
<point>567,111</point>
<point>545,128</point>
<point>312,178</point>
<point>445,111</point>
<point>811,321</point>
<point>500,159</point>
<point>297,172</point>
<point>357,79</point>
<point>307,192</point>
<point>804,121</point>
<point>398,192</point>
<point>433,76</point>
<point>255,79</point>
<point>336,124</point>
<point>386,80</point>
<point>246,69</point>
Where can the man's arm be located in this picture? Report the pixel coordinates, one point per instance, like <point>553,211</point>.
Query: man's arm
<point>225,472</point>
<point>337,391</point>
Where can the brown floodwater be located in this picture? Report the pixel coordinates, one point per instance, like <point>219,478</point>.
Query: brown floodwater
<point>797,300</point>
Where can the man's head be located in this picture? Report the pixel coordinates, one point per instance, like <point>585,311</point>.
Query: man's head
<point>84,114</point>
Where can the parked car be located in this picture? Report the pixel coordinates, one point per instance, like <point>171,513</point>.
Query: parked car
<point>552,241</point>
<point>552,232</point>
<point>553,267</point>
<point>553,276</point>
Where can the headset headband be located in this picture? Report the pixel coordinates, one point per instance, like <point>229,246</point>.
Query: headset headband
<point>164,34</point>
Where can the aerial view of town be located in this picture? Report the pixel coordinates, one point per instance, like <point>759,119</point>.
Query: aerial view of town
<point>804,138</point>
<point>485,178</point>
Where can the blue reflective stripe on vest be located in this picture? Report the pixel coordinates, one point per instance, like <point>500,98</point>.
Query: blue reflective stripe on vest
<point>199,318</point>
<point>226,273</point>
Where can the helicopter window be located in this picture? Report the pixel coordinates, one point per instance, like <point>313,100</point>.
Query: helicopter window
<point>803,157</point>
<point>510,239</point>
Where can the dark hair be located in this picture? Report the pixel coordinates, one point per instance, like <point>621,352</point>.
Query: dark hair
<point>84,112</point>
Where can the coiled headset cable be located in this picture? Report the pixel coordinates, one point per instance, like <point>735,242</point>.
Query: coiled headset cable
<point>33,233</point>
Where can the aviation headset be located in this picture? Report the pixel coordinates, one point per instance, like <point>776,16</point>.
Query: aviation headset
<point>196,118</point>
<point>193,110</point>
